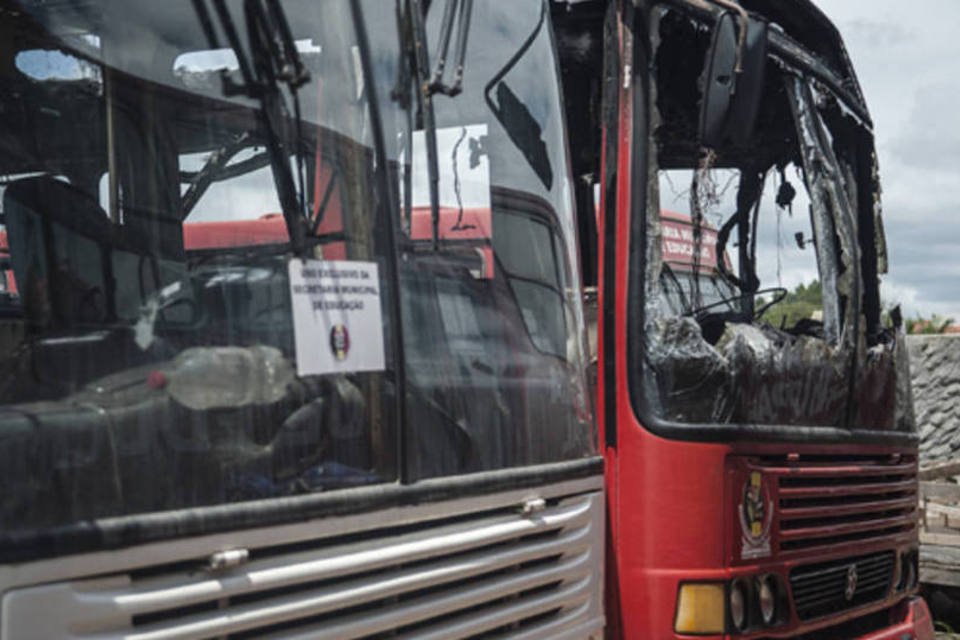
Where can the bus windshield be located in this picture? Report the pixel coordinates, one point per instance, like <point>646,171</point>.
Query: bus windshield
<point>216,244</point>
<point>805,171</point>
<point>157,163</point>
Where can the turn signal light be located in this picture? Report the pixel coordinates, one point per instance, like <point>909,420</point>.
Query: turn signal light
<point>701,608</point>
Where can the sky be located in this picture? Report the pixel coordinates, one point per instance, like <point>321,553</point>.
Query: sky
<point>906,55</point>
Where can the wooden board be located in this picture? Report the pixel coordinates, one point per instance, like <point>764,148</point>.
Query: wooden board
<point>934,514</point>
<point>947,578</point>
<point>940,564</point>
<point>939,503</point>
<point>940,470</point>
<point>940,491</point>
<point>943,539</point>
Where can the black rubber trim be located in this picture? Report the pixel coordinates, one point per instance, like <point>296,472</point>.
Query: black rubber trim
<point>611,118</point>
<point>730,433</point>
<point>636,303</point>
<point>117,533</point>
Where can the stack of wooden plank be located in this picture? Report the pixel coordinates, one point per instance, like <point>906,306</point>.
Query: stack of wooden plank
<point>940,524</point>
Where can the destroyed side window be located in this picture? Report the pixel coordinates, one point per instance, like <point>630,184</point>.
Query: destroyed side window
<point>766,216</point>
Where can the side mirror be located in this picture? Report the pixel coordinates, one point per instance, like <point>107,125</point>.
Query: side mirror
<point>733,81</point>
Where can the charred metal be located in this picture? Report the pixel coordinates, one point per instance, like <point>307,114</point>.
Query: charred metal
<point>716,363</point>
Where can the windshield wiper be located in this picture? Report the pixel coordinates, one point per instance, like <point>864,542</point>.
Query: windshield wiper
<point>450,12</point>
<point>275,61</point>
<point>414,69</point>
<point>421,68</point>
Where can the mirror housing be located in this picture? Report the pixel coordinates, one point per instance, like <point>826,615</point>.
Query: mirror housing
<point>733,81</point>
<point>719,83</point>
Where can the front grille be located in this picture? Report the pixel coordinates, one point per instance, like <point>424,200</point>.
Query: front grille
<point>490,572</point>
<point>826,500</point>
<point>825,588</point>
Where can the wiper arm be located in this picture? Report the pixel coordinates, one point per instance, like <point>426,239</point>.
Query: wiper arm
<point>453,7</point>
<point>421,66</point>
<point>275,60</point>
<point>415,69</point>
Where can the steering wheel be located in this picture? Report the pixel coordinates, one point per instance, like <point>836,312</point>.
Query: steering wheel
<point>779,294</point>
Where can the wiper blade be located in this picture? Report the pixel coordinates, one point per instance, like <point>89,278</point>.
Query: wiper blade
<point>275,61</point>
<point>421,64</point>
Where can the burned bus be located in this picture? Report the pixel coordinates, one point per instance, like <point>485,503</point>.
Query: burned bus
<point>292,343</point>
<point>761,480</point>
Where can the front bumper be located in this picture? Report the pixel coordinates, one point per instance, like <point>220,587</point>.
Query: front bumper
<point>909,620</point>
<point>916,624</point>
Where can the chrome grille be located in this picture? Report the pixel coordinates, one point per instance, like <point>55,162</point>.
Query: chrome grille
<point>825,588</point>
<point>823,500</point>
<point>505,572</point>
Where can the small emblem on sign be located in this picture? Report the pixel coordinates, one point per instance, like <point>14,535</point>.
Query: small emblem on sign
<point>852,578</point>
<point>339,341</point>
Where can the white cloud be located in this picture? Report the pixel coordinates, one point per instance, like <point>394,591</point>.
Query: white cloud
<point>905,55</point>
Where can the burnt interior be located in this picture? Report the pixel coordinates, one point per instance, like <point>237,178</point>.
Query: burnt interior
<point>722,364</point>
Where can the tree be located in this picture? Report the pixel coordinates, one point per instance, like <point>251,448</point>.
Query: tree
<point>932,325</point>
<point>802,303</point>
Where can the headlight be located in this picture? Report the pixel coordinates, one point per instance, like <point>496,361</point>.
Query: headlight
<point>767,596</point>
<point>700,608</point>
<point>738,605</point>
<point>908,571</point>
<point>910,567</point>
<point>904,571</point>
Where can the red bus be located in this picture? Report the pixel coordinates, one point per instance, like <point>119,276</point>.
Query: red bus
<point>761,481</point>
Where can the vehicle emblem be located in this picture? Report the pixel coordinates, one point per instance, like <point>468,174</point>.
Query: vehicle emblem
<point>339,341</point>
<point>852,578</point>
<point>756,516</point>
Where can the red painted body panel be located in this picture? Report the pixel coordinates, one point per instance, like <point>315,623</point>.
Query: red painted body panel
<point>270,229</point>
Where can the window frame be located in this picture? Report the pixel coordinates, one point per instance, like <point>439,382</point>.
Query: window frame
<point>643,174</point>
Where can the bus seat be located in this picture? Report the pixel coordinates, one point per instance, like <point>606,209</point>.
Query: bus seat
<point>57,237</point>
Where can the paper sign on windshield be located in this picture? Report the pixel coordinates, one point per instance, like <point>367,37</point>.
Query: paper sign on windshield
<point>337,324</point>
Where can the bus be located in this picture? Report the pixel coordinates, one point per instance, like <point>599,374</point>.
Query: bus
<point>761,480</point>
<point>292,341</point>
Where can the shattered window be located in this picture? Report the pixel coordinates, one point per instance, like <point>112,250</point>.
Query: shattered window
<point>734,229</point>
